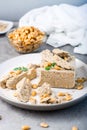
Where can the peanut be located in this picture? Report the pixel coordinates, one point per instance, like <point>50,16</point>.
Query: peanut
<point>57,67</point>
<point>47,64</point>
<point>33,93</point>
<point>44,124</point>
<point>74,128</point>
<point>25,127</point>
<point>34,86</point>
<point>61,94</point>
<point>80,87</point>
<point>68,98</point>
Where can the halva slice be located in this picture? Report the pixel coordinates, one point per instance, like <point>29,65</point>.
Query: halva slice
<point>23,90</point>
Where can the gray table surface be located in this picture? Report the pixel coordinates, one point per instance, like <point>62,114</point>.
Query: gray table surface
<point>13,118</point>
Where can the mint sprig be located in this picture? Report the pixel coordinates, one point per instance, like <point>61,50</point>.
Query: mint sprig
<point>21,68</point>
<point>53,64</point>
<point>48,68</point>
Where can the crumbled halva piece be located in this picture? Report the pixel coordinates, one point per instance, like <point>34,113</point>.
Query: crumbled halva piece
<point>63,54</point>
<point>49,99</point>
<point>23,90</point>
<point>48,56</point>
<point>11,82</point>
<point>4,80</point>
<point>32,71</point>
<point>44,89</point>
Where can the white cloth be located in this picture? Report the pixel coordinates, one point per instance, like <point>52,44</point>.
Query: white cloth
<point>65,24</point>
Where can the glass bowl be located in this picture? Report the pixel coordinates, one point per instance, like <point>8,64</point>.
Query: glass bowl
<point>26,39</point>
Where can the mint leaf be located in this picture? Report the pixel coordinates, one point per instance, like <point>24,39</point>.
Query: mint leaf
<point>21,68</point>
<point>24,69</point>
<point>18,68</point>
<point>48,68</point>
<point>53,64</point>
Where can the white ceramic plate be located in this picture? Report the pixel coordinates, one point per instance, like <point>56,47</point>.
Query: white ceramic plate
<point>8,27</point>
<point>23,60</point>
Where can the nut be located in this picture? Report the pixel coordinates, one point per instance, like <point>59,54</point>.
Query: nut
<point>52,100</point>
<point>26,127</point>
<point>33,93</point>
<point>81,80</point>
<point>61,94</point>
<point>80,87</point>
<point>57,67</point>
<point>45,95</point>
<point>68,98</point>
<point>44,124</point>
<point>34,86</point>
<point>47,64</point>
<point>74,128</point>
<point>15,72</point>
<point>18,72</point>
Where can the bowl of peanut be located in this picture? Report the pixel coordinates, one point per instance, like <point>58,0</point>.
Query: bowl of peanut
<point>26,39</point>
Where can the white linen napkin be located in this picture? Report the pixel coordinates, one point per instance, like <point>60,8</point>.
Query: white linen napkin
<point>65,24</point>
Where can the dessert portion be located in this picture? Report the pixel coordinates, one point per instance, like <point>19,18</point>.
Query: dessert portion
<point>36,83</point>
<point>57,69</point>
<point>58,79</point>
<point>23,90</point>
<point>12,78</point>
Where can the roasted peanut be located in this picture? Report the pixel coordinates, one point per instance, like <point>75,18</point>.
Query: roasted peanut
<point>68,98</point>
<point>47,64</point>
<point>81,80</point>
<point>44,124</point>
<point>79,87</point>
<point>61,94</point>
<point>34,86</point>
<point>57,67</point>
<point>33,93</point>
<point>25,127</point>
<point>74,128</point>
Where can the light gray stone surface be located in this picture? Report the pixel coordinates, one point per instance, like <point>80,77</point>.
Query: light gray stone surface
<point>13,118</point>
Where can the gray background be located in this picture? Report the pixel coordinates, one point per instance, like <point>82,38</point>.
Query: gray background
<point>14,9</point>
